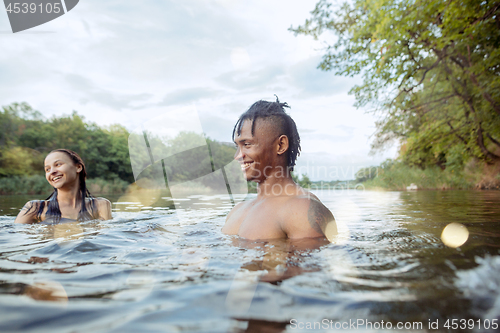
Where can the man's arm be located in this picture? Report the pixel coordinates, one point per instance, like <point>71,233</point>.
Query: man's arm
<point>319,217</point>
<point>308,218</point>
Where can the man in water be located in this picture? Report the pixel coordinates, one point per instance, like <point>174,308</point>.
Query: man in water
<point>267,146</point>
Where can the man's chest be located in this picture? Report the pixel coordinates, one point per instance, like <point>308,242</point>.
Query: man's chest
<point>255,221</point>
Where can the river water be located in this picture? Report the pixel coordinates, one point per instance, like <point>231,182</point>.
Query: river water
<point>151,270</point>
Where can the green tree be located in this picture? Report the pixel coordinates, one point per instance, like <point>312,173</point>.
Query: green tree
<point>26,137</point>
<point>365,174</point>
<point>15,159</point>
<point>304,182</point>
<point>430,69</point>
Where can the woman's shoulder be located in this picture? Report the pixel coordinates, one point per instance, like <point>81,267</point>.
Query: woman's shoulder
<point>31,211</point>
<point>102,201</point>
<point>97,200</point>
<point>104,207</point>
<point>36,201</point>
<point>34,205</point>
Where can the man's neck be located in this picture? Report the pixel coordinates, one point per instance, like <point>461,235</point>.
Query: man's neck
<point>278,183</point>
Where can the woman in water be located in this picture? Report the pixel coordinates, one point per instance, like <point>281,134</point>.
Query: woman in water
<point>70,201</point>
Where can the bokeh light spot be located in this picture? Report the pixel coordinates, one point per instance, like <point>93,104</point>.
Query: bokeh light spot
<point>454,235</point>
<point>331,231</point>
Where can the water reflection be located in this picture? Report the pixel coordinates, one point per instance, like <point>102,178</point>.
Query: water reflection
<point>46,291</point>
<point>146,270</point>
<point>262,326</point>
<point>281,258</point>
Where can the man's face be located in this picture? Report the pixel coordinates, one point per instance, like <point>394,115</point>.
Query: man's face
<point>256,154</point>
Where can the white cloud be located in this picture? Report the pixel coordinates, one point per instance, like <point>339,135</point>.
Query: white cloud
<point>125,62</point>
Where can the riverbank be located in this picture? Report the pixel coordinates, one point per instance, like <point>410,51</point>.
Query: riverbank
<point>37,184</point>
<point>398,176</point>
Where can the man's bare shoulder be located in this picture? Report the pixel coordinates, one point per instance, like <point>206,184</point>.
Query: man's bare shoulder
<point>306,215</point>
<point>239,206</point>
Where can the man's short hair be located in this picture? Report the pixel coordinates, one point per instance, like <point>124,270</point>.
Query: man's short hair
<point>274,112</point>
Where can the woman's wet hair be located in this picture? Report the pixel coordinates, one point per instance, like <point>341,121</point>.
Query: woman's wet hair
<point>53,210</point>
<point>283,124</point>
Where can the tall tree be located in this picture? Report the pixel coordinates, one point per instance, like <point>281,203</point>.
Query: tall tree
<point>26,137</point>
<point>430,69</point>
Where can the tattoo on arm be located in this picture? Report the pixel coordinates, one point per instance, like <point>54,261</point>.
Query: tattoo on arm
<point>318,216</point>
<point>29,212</point>
<point>28,207</point>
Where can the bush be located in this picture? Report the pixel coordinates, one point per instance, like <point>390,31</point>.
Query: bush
<point>397,176</point>
<point>37,184</point>
<point>103,186</point>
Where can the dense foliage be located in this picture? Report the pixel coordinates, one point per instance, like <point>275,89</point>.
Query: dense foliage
<point>26,137</point>
<point>365,174</point>
<point>305,182</point>
<point>430,69</point>
<point>396,175</point>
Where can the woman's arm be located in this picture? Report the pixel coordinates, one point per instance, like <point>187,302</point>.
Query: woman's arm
<point>28,213</point>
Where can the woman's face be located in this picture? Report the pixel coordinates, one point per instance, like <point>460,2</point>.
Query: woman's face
<point>60,171</point>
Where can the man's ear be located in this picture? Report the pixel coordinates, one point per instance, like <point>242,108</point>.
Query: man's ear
<point>283,144</point>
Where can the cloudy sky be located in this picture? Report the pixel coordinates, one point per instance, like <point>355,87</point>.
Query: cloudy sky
<point>128,62</point>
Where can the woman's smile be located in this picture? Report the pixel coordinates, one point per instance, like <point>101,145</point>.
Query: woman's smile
<point>56,178</point>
